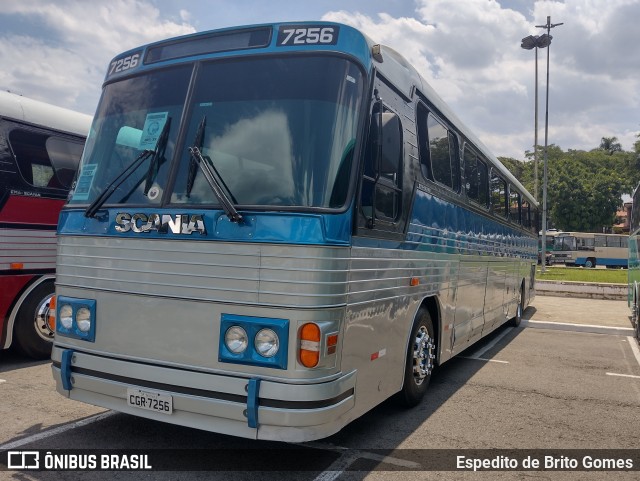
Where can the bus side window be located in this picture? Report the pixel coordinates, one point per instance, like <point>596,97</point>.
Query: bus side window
<point>476,178</point>
<point>498,195</point>
<point>483,186</point>
<point>45,161</point>
<point>471,176</point>
<point>514,205</point>
<point>526,214</point>
<point>442,154</point>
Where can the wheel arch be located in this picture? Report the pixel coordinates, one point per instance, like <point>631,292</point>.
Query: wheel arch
<point>20,302</point>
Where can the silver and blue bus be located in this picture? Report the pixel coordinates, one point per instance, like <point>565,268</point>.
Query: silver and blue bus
<point>274,229</point>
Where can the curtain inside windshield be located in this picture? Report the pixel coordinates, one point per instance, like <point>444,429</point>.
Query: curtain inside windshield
<point>279,132</point>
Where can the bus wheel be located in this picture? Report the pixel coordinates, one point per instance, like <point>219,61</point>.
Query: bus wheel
<point>420,361</point>
<point>33,336</point>
<point>517,319</point>
<point>591,262</point>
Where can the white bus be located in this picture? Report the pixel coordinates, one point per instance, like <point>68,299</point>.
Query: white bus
<point>589,249</point>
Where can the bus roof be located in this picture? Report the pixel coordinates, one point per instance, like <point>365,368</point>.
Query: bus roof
<point>23,109</point>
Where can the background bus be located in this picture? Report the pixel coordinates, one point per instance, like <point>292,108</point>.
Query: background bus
<point>275,228</point>
<point>634,261</point>
<point>40,147</point>
<point>550,234</point>
<point>590,249</point>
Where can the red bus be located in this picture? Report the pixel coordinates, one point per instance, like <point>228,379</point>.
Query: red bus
<point>40,148</point>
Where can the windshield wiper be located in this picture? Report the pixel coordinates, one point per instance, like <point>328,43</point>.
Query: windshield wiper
<point>154,164</point>
<point>211,175</point>
<point>115,183</point>
<point>158,156</point>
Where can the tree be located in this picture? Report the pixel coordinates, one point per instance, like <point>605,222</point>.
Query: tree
<point>610,145</point>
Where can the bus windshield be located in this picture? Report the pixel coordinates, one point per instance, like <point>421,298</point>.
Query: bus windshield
<point>276,133</point>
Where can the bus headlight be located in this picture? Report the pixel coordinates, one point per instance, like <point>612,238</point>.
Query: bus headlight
<point>267,343</point>
<point>66,316</point>
<point>76,318</point>
<point>83,319</point>
<point>254,341</point>
<point>236,339</point>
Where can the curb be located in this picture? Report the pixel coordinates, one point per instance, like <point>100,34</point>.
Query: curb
<point>587,290</point>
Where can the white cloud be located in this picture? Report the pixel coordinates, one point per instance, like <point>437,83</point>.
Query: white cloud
<point>469,51</point>
<point>68,67</point>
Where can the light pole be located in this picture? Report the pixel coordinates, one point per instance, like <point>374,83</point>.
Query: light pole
<point>548,26</point>
<point>528,43</point>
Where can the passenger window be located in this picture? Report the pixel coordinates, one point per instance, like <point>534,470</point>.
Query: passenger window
<point>439,152</point>
<point>526,214</point>
<point>498,195</point>
<point>44,160</point>
<point>514,205</point>
<point>476,178</point>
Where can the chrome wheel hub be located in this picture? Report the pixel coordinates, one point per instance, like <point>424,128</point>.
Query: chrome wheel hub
<point>41,320</point>
<point>423,355</point>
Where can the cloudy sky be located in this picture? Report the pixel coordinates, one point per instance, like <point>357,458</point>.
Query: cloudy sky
<point>469,50</point>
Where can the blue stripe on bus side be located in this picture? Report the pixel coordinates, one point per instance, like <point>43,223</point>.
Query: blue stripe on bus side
<point>441,226</point>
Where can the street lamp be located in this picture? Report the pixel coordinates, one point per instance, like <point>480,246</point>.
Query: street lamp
<point>529,43</point>
<point>542,41</point>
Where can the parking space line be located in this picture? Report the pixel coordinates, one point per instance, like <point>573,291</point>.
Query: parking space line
<point>478,354</point>
<point>2,380</point>
<point>622,375</point>
<point>53,432</point>
<point>634,348</point>
<point>565,326</point>
<point>483,359</point>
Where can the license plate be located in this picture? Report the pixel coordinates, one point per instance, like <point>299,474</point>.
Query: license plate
<point>149,400</point>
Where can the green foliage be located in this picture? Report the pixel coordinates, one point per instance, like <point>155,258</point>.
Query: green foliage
<point>580,274</point>
<point>584,189</point>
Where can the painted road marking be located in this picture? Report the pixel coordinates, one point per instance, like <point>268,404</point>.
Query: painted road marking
<point>634,348</point>
<point>565,326</point>
<point>52,432</point>
<point>483,359</point>
<point>2,380</point>
<point>478,354</point>
<point>622,375</point>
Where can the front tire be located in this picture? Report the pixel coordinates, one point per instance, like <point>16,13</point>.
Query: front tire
<point>420,361</point>
<point>33,335</point>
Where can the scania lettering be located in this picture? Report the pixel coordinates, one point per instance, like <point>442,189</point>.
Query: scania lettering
<point>277,227</point>
<point>178,224</point>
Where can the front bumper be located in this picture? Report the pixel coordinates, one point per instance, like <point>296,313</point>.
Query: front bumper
<point>252,408</point>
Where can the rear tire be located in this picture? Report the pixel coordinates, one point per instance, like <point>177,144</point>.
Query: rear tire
<point>517,319</point>
<point>33,337</point>
<point>590,263</point>
<point>420,361</point>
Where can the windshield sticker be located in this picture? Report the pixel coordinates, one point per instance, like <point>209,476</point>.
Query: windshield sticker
<point>83,186</point>
<point>153,126</point>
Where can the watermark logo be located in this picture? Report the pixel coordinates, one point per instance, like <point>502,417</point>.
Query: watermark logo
<point>23,460</point>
